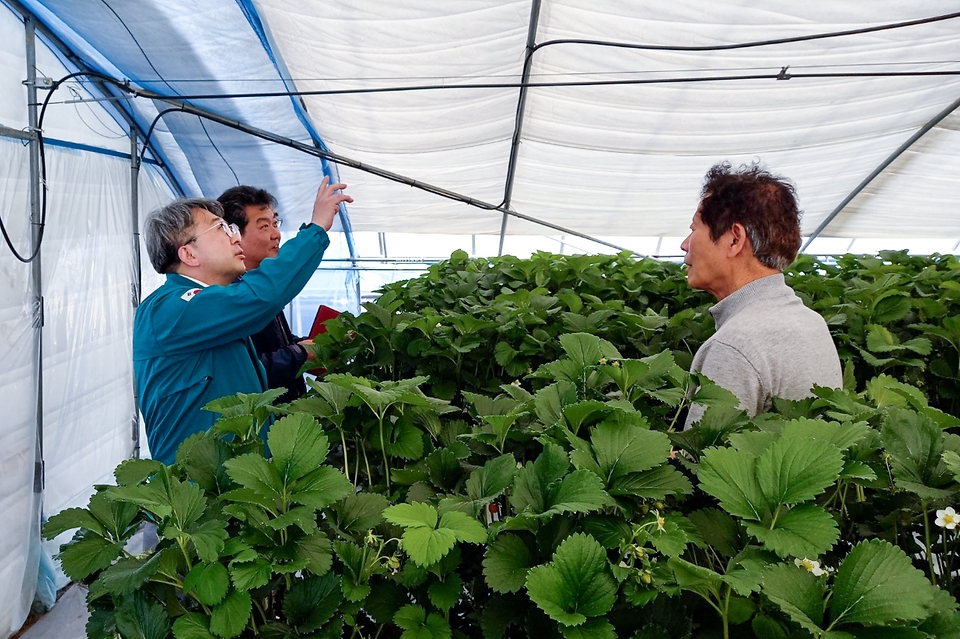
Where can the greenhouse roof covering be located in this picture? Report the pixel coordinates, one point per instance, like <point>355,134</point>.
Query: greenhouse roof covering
<point>595,118</point>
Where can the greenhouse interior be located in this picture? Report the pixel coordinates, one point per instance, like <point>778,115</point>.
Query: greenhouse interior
<point>532,168</point>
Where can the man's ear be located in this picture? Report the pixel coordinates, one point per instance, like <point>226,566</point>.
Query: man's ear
<point>188,257</point>
<point>738,241</point>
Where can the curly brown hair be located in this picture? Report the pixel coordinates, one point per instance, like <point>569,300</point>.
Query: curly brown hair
<point>764,203</point>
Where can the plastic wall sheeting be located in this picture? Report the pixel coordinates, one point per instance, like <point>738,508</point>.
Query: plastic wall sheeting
<point>19,525</point>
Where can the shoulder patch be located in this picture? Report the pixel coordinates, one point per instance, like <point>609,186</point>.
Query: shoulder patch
<point>186,297</point>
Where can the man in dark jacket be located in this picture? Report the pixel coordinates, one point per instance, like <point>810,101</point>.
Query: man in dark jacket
<point>254,211</point>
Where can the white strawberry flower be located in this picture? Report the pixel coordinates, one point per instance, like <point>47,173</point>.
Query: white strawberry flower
<point>811,565</point>
<point>947,518</point>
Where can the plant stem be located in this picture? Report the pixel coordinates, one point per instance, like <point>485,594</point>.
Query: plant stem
<point>926,540</point>
<point>386,459</point>
<point>346,457</point>
<point>726,614</point>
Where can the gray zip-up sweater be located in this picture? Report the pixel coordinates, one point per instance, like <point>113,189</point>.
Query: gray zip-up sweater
<point>767,344</point>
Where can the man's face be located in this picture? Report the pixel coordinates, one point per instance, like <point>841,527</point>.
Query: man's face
<point>706,260</point>
<point>220,254</point>
<point>261,237</point>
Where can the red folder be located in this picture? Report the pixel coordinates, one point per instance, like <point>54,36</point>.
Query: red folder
<point>324,313</point>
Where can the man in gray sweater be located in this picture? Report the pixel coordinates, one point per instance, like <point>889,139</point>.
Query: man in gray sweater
<point>768,344</point>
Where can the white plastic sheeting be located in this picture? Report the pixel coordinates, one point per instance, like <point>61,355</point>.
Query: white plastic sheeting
<point>88,267</point>
<point>627,157</point>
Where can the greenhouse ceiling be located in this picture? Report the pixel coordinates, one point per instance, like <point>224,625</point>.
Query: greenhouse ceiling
<point>538,117</point>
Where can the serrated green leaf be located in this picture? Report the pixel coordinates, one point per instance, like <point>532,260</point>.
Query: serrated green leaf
<point>134,471</point>
<point>305,518</point>
<point>585,349</point>
<point>312,602</point>
<point>621,450</point>
<point>843,436</point>
<point>506,563</point>
<point>549,401</point>
<point>427,546</point>
<point>464,527</point>
<point>320,488</point>
<point>795,470</point>
<point>576,584</point>
<point>256,474</point>
<point>71,518</point>
<point>298,446</point>
<point>316,551</point>
<point>655,483</point>
<point>192,625</point>
<point>798,593</point>
<point>128,574</point>
<point>358,512</point>
<point>531,487</point>
<point>915,445</point>
<point>83,557</point>
<point>251,574</point>
<point>694,578</point>
<point>730,476</point>
<point>410,616</point>
<point>594,628</point>
<point>211,582</point>
<point>490,480</point>
<point>140,617</point>
<point>415,515</point>
<point>877,584</point>
<point>718,529</point>
<point>445,594</point>
<point>581,491</point>
<point>208,539</point>
<point>231,615</point>
<point>806,530</point>
<point>202,456</point>
<point>417,624</point>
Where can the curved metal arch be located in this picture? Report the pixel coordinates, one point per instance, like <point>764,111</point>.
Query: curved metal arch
<point>880,169</point>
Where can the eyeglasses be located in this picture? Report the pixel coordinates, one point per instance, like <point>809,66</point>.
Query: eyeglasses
<point>232,230</point>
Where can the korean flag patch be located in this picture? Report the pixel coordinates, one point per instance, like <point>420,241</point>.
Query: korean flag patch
<point>186,297</point>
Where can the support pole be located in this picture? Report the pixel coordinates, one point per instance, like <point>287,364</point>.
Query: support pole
<point>880,169</point>
<point>136,287</point>
<point>36,275</point>
<point>518,127</point>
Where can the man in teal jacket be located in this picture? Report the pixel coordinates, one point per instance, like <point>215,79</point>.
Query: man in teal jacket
<point>191,337</point>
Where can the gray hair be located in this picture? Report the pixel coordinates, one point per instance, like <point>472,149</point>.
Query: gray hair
<point>167,229</point>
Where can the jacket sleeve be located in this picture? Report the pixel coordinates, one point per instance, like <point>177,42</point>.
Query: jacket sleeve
<point>283,365</point>
<point>220,314</point>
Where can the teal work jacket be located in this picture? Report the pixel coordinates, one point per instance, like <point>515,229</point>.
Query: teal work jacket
<point>192,345</point>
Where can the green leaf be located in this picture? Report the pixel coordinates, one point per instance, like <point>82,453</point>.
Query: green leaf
<point>655,483</point>
<point>210,581</point>
<point>806,530</point>
<point>794,470</point>
<point>621,450</point>
<point>312,602</point>
<point>531,487</point>
<point>202,456</point>
<point>230,616</point>
<point>320,488</point>
<point>576,584</point>
<point>415,515</point>
<point>506,563</point>
<point>316,551</point>
<point>730,476</point>
<point>72,518</point>
<point>694,578</point>
<point>305,518</point>
<point>464,527</point>
<point>445,594</point>
<point>134,471</point>
<point>490,480</point>
<point>549,401</point>
<point>251,574</point>
<point>915,445</point>
<point>427,546</point>
<point>580,491</point>
<point>417,624</point>
<point>877,584</point>
<point>127,575</point>
<point>595,628</point>
<point>843,436</point>
<point>140,617</point>
<point>193,625</point>
<point>718,529</point>
<point>84,557</point>
<point>798,593</point>
<point>298,446</point>
<point>208,539</point>
<point>255,473</point>
<point>358,512</point>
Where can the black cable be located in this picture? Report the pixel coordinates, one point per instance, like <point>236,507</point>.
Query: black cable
<point>215,148</point>
<point>758,43</point>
